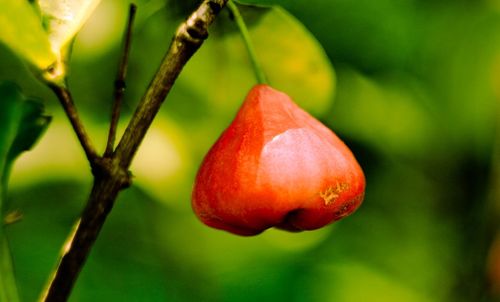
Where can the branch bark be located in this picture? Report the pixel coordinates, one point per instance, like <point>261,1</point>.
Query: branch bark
<point>111,173</point>
<point>66,100</point>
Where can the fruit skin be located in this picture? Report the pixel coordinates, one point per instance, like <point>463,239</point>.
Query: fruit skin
<point>276,166</point>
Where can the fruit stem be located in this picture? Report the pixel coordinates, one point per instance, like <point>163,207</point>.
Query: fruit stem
<point>259,74</point>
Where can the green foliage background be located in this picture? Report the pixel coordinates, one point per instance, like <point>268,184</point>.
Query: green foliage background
<point>415,93</point>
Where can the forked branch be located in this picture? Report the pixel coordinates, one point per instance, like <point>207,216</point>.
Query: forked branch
<point>111,173</point>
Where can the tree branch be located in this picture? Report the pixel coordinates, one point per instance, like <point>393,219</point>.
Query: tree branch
<point>111,173</point>
<point>77,247</point>
<point>69,107</point>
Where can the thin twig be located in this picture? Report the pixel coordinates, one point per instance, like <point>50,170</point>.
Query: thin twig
<point>66,100</point>
<point>120,82</point>
<point>111,174</point>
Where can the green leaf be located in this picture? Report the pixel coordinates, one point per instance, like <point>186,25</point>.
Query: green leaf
<point>290,56</point>
<point>22,31</point>
<point>372,36</point>
<point>21,123</point>
<point>295,60</point>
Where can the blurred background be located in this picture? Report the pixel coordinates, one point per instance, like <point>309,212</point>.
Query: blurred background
<point>412,86</point>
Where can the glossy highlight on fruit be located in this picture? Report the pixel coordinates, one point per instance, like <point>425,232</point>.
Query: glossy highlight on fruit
<point>276,166</point>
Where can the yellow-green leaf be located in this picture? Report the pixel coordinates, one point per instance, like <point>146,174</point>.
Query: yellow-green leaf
<point>64,18</point>
<point>21,30</point>
<point>294,61</point>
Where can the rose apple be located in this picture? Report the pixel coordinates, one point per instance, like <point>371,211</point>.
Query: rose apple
<point>276,166</point>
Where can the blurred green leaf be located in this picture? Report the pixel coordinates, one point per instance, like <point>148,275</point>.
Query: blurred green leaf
<point>21,123</point>
<point>22,31</point>
<point>371,36</point>
<point>292,59</point>
<point>9,114</point>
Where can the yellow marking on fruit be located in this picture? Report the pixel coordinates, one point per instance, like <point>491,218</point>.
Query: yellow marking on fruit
<point>331,194</point>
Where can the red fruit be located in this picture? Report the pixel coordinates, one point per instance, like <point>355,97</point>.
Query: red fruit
<point>276,166</point>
